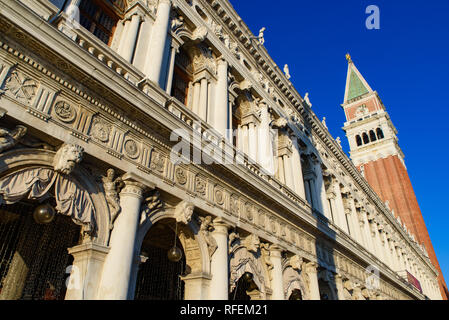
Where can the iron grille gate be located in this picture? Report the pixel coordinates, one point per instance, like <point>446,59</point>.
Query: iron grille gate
<point>159,278</point>
<point>34,257</point>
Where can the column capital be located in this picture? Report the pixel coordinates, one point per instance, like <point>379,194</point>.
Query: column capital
<point>135,185</point>
<point>275,250</point>
<point>222,61</point>
<point>219,222</point>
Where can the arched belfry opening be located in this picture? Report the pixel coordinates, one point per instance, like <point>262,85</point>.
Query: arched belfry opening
<point>158,277</point>
<point>34,261</point>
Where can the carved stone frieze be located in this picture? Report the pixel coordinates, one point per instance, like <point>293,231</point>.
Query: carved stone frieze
<point>180,176</point>
<point>131,148</point>
<point>200,185</point>
<point>65,111</point>
<point>100,130</point>
<point>10,138</point>
<point>21,87</point>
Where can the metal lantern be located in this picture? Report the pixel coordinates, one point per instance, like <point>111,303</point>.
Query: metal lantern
<point>44,214</point>
<point>247,277</point>
<point>174,254</point>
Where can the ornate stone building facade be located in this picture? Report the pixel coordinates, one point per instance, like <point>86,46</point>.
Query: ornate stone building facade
<point>91,93</point>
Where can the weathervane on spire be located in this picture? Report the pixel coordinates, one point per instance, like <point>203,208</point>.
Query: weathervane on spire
<point>348,57</point>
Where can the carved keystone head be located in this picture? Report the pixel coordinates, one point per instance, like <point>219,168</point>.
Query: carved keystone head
<point>184,211</point>
<point>252,243</point>
<point>296,262</point>
<point>67,157</point>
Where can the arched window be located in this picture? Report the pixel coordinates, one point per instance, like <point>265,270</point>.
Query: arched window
<point>365,138</point>
<point>358,141</point>
<point>100,17</point>
<point>380,134</point>
<point>372,136</point>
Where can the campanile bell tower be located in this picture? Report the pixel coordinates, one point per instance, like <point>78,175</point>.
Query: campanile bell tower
<point>375,151</point>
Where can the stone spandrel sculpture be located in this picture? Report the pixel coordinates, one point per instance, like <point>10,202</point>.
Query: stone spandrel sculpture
<point>205,229</point>
<point>67,157</point>
<point>151,205</point>
<point>112,188</point>
<point>10,138</point>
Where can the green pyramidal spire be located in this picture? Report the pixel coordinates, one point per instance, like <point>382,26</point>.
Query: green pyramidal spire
<point>356,85</point>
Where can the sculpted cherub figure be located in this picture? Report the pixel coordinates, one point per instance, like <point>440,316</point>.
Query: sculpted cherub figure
<point>112,188</point>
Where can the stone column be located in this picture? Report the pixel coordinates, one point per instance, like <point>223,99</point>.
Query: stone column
<point>220,112</point>
<point>171,69</point>
<point>284,158</point>
<point>319,190</point>
<point>277,284</point>
<point>281,169</point>
<point>118,264</point>
<point>252,141</point>
<point>219,263</point>
<point>202,112</point>
<point>312,272</point>
<point>298,179</point>
<point>355,221</point>
<point>129,38</point>
<point>196,97</point>
<point>265,154</point>
<point>85,274</point>
<point>339,214</point>
<point>155,55</point>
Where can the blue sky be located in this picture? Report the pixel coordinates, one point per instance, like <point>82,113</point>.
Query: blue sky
<point>406,62</point>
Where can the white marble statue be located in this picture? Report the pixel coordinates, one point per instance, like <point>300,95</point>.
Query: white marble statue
<point>261,36</point>
<point>287,71</point>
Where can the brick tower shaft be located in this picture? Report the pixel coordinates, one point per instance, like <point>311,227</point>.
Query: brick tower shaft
<point>375,151</point>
